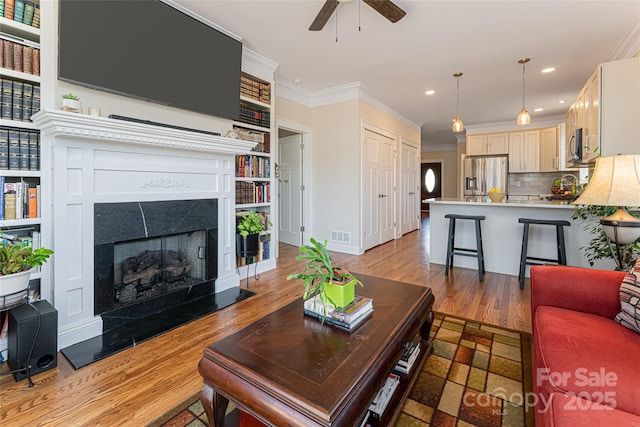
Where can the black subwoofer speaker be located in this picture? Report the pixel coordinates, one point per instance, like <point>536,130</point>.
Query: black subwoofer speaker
<point>32,325</point>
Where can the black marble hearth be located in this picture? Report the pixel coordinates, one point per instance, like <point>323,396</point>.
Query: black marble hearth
<point>141,328</point>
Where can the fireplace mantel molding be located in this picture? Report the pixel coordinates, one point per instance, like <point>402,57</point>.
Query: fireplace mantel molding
<point>82,126</point>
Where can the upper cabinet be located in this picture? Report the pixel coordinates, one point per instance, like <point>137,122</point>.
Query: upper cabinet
<point>524,151</point>
<point>487,144</point>
<point>606,112</point>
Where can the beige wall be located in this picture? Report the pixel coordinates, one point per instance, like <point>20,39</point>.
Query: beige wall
<point>449,160</point>
<point>335,162</point>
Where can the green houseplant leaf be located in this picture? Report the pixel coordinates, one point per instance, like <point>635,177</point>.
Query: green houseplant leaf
<point>252,223</point>
<point>18,257</point>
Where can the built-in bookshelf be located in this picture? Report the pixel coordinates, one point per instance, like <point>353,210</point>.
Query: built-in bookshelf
<point>254,171</point>
<point>20,171</point>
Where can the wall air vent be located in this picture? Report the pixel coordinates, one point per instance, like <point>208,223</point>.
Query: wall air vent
<point>341,236</point>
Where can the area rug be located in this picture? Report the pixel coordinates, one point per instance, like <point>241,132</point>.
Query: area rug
<point>478,375</point>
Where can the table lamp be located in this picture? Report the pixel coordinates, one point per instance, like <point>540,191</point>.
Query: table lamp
<point>616,182</point>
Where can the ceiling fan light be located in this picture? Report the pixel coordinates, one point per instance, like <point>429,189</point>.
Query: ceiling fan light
<point>458,126</point>
<point>523,118</point>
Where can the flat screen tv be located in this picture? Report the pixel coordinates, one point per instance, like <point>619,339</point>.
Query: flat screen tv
<point>149,50</point>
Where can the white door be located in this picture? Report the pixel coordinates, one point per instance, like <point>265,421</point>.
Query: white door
<point>290,189</point>
<point>409,189</point>
<point>378,215</point>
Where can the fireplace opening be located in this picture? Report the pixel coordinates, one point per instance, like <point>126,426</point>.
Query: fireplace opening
<point>152,256</point>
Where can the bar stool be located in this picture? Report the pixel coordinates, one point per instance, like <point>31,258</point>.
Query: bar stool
<point>525,259</point>
<point>453,250</point>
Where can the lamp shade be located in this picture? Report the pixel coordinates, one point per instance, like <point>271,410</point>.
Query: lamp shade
<point>615,182</point>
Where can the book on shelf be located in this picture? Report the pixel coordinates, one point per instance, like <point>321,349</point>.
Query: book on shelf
<point>408,358</point>
<point>4,149</point>
<point>33,202</point>
<point>23,150</point>
<point>18,11</point>
<point>8,8</point>
<point>14,149</point>
<point>16,100</point>
<point>6,98</point>
<point>9,193</point>
<point>382,399</point>
<point>29,9</point>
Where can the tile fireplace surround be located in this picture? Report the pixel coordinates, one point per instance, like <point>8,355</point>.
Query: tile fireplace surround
<point>88,160</point>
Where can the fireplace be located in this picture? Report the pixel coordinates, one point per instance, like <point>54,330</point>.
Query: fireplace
<point>100,164</point>
<point>151,256</point>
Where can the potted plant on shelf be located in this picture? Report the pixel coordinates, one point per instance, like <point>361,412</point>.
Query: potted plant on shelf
<point>335,285</point>
<point>16,262</point>
<point>250,227</point>
<point>71,102</point>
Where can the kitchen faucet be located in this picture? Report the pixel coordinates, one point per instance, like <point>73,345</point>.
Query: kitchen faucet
<point>573,185</point>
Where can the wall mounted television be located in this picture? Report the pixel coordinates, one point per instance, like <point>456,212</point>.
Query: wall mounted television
<point>149,50</point>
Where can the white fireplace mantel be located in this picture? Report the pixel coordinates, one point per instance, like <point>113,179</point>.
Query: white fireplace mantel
<point>83,126</point>
<point>88,160</point>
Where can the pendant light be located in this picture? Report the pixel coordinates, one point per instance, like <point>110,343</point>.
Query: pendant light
<point>523,118</point>
<point>458,126</point>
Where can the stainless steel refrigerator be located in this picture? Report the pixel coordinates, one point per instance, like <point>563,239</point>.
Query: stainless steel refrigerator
<point>482,173</point>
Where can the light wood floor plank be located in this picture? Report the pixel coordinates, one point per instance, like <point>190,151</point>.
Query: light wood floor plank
<point>137,385</point>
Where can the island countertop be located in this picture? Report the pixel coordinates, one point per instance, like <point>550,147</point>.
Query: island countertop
<point>502,233</point>
<point>538,203</point>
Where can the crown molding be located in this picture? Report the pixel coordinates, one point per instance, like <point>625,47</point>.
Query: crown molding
<point>257,65</point>
<point>347,92</point>
<point>629,46</point>
<point>440,147</point>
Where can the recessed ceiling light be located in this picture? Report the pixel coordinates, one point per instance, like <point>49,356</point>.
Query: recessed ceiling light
<point>430,92</point>
<point>537,110</point>
<point>562,101</point>
<point>548,70</point>
<point>297,81</point>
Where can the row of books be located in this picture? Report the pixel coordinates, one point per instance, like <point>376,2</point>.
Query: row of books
<point>408,358</point>
<point>19,54</point>
<point>380,402</point>
<point>18,100</point>
<point>252,192</point>
<point>254,116</point>
<point>347,318</point>
<point>255,90</point>
<point>262,138</point>
<point>249,166</point>
<point>19,149</point>
<point>26,12</point>
<point>19,199</point>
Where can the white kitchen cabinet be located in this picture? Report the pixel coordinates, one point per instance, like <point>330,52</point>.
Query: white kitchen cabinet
<point>607,110</point>
<point>549,149</point>
<point>487,144</point>
<point>524,151</point>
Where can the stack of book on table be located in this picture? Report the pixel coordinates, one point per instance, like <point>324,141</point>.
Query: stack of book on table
<point>347,318</point>
<point>408,358</point>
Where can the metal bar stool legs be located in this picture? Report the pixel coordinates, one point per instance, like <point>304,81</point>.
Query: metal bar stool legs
<point>452,250</point>
<point>525,259</point>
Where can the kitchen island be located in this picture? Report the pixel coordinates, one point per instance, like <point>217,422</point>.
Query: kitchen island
<point>502,233</point>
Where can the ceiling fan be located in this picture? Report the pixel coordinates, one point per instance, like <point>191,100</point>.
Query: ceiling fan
<point>384,7</point>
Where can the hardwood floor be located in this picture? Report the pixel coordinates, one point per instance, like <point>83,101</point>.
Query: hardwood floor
<point>137,385</point>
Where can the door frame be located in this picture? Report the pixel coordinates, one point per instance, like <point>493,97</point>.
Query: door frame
<point>305,131</point>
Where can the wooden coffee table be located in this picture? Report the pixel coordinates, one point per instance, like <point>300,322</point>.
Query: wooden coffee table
<point>287,369</point>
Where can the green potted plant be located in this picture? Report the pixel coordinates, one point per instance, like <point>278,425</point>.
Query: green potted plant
<point>16,262</point>
<point>250,226</point>
<point>335,285</point>
<point>71,102</point>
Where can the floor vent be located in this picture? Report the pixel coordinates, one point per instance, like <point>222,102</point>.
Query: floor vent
<point>341,236</point>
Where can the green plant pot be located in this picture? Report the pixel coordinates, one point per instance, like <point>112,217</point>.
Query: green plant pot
<point>341,295</point>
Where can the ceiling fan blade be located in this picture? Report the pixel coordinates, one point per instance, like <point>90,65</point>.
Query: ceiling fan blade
<point>323,16</point>
<point>387,9</point>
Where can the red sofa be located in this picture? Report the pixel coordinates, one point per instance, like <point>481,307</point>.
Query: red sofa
<point>585,365</point>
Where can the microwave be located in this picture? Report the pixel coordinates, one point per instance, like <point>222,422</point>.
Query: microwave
<point>575,147</point>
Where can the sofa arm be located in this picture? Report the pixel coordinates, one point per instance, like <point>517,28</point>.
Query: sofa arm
<point>574,288</point>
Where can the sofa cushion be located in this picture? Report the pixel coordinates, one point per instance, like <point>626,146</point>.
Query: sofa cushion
<point>565,410</point>
<point>588,356</point>
<point>629,315</point>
